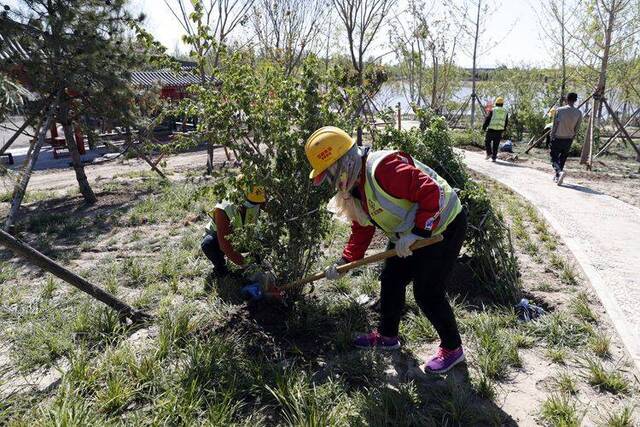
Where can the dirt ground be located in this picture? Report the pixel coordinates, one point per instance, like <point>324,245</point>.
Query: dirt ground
<point>140,244</point>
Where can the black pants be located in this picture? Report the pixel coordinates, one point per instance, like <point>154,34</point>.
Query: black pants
<point>211,249</point>
<point>559,153</point>
<point>492,142</point>
<point>429,269</point>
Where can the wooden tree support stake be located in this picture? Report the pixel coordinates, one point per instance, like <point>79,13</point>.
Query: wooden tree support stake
<point>16,134</point>
<point>142,155</point>
<point>30,254</point>
<point>622,129</point>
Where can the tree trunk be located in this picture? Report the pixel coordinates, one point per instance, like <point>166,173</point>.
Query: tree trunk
<point>434,83</point>
<point>586,156</point>
<point>563,84</point>
<point>25,175</point>
<point>30,254</point>
<point>473,72</point>
<point>78,167</point>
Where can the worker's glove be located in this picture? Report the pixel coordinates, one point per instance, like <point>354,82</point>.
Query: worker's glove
<point>403,245</point>
<point>331,273</point>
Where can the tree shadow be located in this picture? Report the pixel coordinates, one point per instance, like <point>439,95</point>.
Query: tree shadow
<point>69,222</point>
<point>509,164</point>
<point>227,288</point>
<point>419,398</point>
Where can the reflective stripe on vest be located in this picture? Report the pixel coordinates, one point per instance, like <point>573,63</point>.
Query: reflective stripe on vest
<point>397,216</point>
<point>498,118</point>
<point>233,213</point>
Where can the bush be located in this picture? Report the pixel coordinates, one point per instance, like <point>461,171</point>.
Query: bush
<point>264,117</point>
<point>576,149</point>
<point>472,137</point>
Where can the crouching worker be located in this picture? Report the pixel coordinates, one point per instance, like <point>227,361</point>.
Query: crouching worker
<point>408,201</point>
<point>225,218</point>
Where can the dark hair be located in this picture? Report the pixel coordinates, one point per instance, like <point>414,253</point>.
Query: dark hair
<point>572,97</point>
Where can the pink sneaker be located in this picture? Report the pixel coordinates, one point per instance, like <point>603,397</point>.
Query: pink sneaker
<point>444,360</point>
<point>375,340</point>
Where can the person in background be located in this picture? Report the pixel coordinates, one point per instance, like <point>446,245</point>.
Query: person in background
<point>225,218</point>
<point>565,127</point>
<point>494,124</point>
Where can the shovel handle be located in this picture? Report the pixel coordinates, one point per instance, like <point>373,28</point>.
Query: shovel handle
<point>364,261</point>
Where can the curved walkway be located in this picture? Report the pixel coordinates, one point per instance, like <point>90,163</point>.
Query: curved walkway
<point>602,232</point>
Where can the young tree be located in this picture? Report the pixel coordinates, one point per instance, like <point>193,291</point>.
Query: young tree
<point>425,52</point>
<point>557,19</point>
<point>77,57</point>
<point>207,25</point>
<point>610,32</point>
<point>362,19</point>
<point>288,29</point>
<point>472,18</point>
<point>265,116</point>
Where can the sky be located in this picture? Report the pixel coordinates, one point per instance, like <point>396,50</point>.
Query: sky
<point>513,26</point>
<point>512,30</point>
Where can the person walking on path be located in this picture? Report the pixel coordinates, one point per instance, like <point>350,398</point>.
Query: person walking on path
<point>408,201</point>
<point>494,124</point>
<point>225,218</point>
<point>565,127</point>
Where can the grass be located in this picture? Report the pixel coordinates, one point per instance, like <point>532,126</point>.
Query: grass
<point>560,410</point>
<point>557,355</point>
<point>558,329</point>
<point>545,287</point>
<point>600,344</point>
<point>622,418</point>
<point>566,383</point>
<point>581,308</point>
<point>495,346</point>
<point>208,360</point>
<point>603,379</point>
<point>416,329</point>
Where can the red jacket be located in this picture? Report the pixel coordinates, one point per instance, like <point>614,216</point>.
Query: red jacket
<point>223,230</point>
<point>398,176</point>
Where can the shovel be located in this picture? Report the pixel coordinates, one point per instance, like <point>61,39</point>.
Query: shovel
<point>256,292</point>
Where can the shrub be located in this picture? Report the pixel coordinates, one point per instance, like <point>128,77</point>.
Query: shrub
<point>265,117</point>
<point>467,137</point>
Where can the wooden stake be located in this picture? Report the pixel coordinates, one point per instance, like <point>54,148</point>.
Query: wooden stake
<point>621,128</point>
<point>25,174</point>
<point>15,136</point>
<point>605,147</point>
<point>32,255</point>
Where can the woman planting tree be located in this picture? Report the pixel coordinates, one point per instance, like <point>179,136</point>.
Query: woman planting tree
<point>408,201</point>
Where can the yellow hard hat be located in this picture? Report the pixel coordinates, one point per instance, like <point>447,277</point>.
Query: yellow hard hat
<point>499,100</point>
<point>256,195</point>
<point>325,146</point>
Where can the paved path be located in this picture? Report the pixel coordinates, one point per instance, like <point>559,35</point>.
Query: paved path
<point>602,232</point>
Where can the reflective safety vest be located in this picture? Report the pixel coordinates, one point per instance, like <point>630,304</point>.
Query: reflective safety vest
<point>397,216</point>
<point>498,119</point>
<point>233,213</point>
